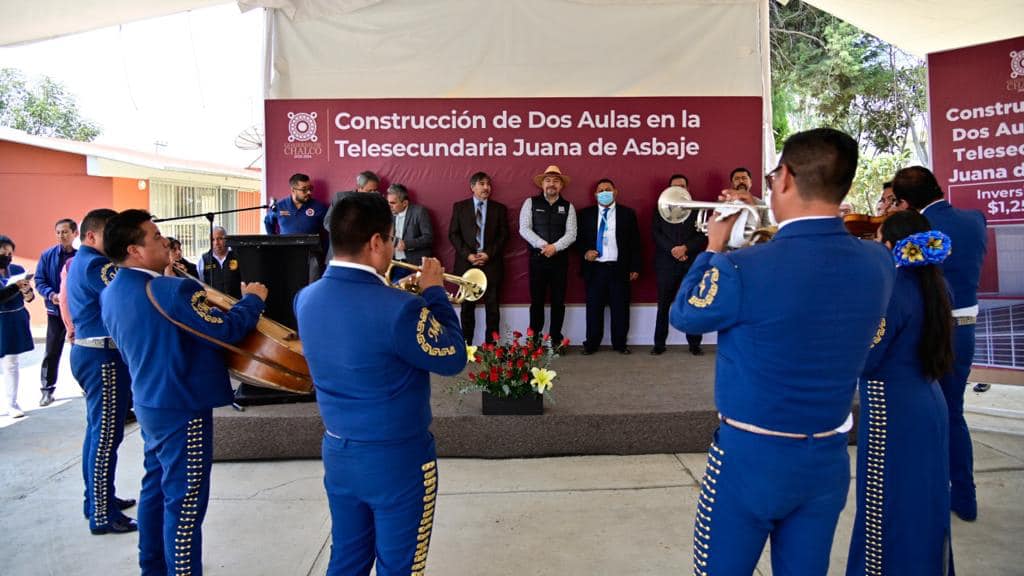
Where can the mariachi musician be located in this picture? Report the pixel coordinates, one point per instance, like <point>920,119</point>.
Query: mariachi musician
<point>784,405</point>
<point>160,324</point>
<point>371,365</point>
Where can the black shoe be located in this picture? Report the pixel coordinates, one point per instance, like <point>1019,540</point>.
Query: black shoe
<point>588,351</point>
<point>657,351</point>
<point>968,512</point>
<point>624,350</point>
<point>982,387</point>
<point>121,505</point>
<point>120,526</point>
<point>130,417</point>
<point>47,398</point>
<point>696,350</point>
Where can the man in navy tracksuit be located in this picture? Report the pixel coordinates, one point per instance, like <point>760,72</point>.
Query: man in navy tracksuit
<point>371,349</point>
<point>785,376</point>
<point>47,279</point>
<point>966,230</point>
<point>162,326</point>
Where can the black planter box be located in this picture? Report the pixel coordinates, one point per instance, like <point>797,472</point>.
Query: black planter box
<point>532,405</point>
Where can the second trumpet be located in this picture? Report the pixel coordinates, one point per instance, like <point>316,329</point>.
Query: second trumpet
<point>472,284</point>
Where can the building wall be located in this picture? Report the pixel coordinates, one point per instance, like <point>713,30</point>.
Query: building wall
<point>39,187</point>
<point>250,222</point>
<point>128,195</point>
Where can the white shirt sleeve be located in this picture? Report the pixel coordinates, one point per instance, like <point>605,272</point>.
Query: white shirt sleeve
<point>526,225</point>
<point>570,231</point>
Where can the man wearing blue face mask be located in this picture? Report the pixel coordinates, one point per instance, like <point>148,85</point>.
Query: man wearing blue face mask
<point>609,237</point>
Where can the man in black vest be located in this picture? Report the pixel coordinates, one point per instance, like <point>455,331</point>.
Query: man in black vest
<point>548,224</point>
<point>676,245</point>
<point>219,266</point>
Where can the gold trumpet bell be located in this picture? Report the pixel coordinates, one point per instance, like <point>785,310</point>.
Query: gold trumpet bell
<point>472,285</point>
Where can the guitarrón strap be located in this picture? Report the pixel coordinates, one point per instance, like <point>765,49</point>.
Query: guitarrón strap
<point>221,343</point>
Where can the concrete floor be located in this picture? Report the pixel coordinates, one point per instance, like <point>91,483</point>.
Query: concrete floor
<point>606,515</point>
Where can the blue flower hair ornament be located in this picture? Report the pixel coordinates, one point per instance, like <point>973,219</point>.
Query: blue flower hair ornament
<point>922,249</point>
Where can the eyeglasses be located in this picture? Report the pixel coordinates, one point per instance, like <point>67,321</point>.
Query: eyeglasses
<point>769,178</point>
<point>309,189</point>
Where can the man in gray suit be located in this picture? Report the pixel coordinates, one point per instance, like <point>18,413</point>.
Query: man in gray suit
<point>366,181</point>
<point>414,236</point>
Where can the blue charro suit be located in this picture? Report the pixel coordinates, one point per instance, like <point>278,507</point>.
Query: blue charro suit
<point>371,349</point>
<point>902,520</point>
<point>177,379</point>
<point>104,376</point>
<point>966,230</point>
<point>795,319</point>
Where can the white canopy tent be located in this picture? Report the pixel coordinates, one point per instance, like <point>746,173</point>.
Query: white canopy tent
<point>513,48</point>
<point>917,26</point>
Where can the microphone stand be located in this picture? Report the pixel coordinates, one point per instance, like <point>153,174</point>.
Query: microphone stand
<point>209,218</point>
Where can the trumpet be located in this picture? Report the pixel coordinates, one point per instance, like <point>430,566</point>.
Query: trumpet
<point>675,205</point>
<point>472,284</point>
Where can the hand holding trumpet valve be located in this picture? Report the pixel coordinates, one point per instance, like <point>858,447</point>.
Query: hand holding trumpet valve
<point>720,229</point>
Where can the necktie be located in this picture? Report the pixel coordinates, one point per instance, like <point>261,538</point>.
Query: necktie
<point>601,230</point>
<point>479,229</point>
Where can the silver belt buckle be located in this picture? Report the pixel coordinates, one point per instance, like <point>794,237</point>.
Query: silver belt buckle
<point>102,343</point>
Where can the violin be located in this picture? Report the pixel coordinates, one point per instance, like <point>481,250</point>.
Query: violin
<point>863,226</point>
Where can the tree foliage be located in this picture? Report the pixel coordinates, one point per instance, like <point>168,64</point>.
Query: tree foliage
<point>826,72</point>
<point>44,108</point>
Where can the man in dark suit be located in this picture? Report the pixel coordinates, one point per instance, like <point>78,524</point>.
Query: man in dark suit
<point>675,247</point>
<point>478,232</point>
<point>414,235</point>
<point>918,188</point>
<point>609,237</point>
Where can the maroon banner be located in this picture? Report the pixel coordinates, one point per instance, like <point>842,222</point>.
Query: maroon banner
<point>976,99</point>
<point>433,146</point>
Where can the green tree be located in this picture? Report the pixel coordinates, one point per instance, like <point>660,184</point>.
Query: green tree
<point>44,108</point>
<point>826,72</point>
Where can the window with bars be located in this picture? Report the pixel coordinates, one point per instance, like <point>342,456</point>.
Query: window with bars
<point>169,199</point>
<point>999,340</point>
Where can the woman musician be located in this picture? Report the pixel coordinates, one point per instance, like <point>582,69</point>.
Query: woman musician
<point>902,520</point>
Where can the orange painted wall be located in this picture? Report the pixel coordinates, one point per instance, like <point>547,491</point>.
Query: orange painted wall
<point>249,222</point>
<point>127,194</point>
<point>39,187</point>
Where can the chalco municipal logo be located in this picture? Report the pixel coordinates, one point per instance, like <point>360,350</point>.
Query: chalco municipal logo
<point>1016,81</point>
<point>302,139</point>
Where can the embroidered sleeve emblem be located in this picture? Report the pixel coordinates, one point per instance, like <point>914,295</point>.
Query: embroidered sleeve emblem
<point>107,273</point>
<point>202,308</point>
<point>233,265</point>
<point>428,334</point>
<point>706,290</point>
<point>879,334</point>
